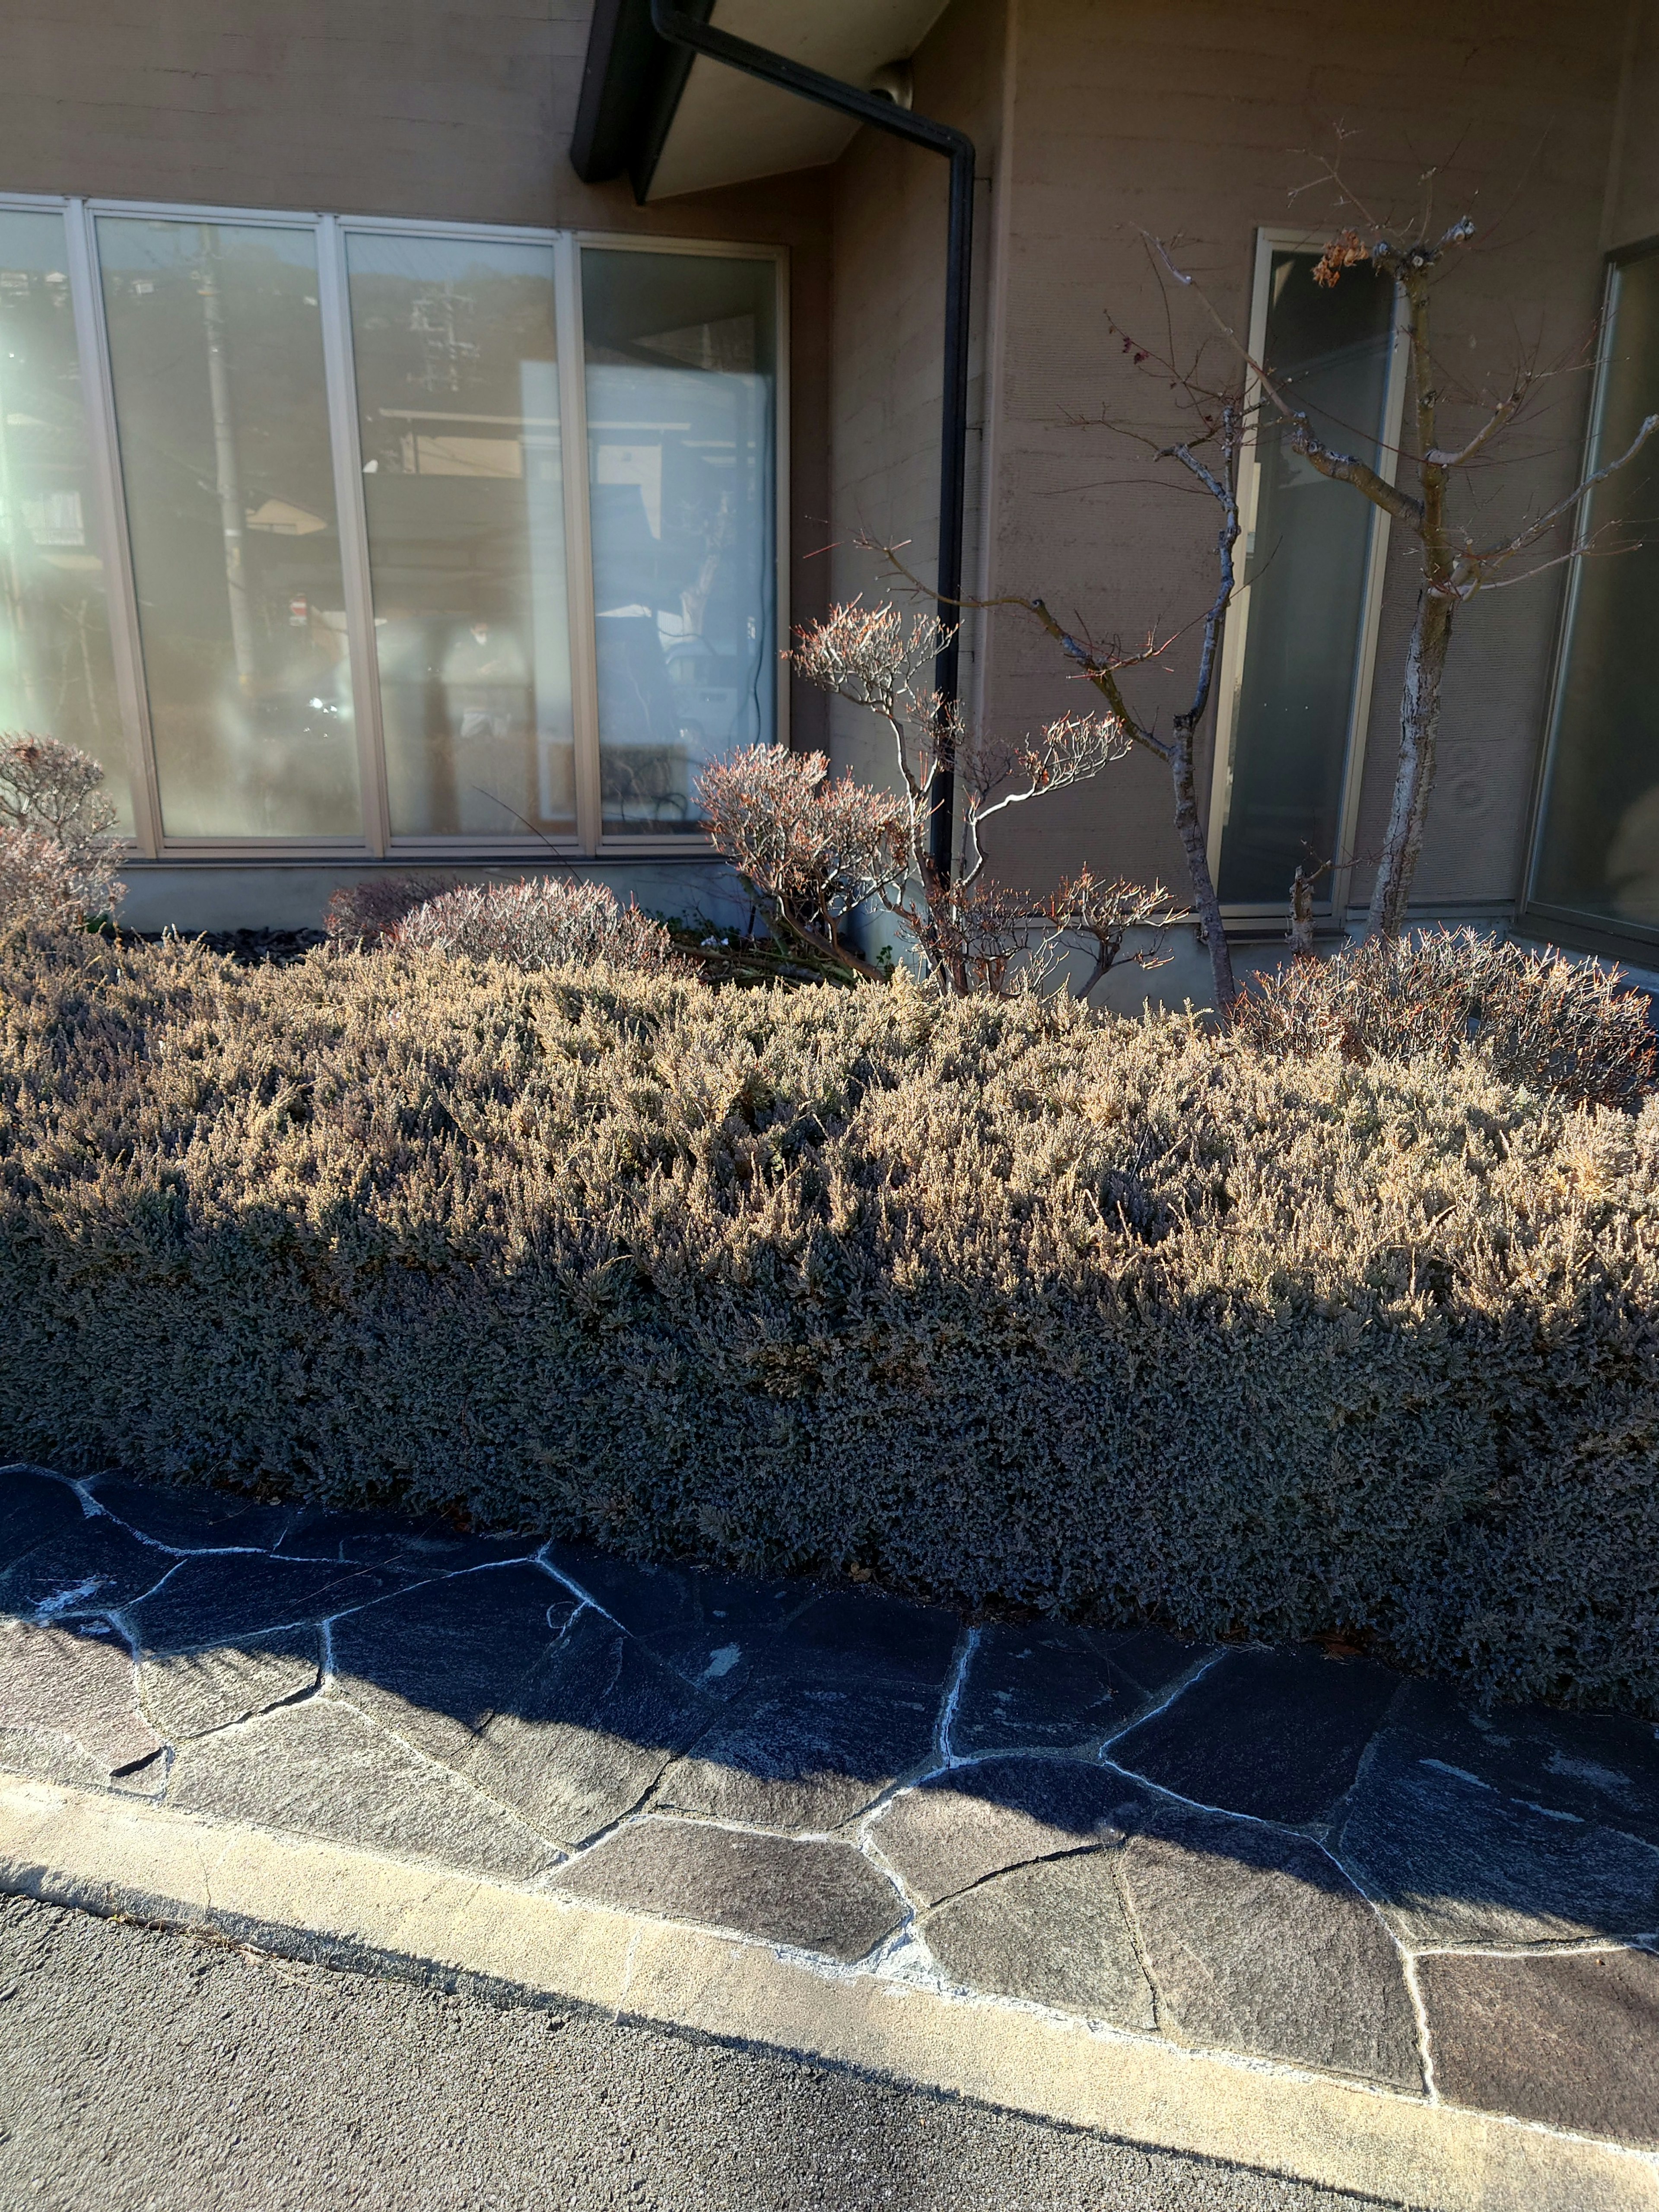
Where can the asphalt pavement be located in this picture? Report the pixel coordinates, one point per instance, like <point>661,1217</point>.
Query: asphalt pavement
<point>143,2070</point>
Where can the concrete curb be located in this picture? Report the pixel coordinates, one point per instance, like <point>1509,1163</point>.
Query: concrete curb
<point>320,1901</point>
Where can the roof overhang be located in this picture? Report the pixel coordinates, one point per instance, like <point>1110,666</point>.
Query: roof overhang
<point>674,122</point>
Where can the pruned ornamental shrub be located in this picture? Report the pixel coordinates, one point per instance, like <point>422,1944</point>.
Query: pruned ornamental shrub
<point>1537,1018</point>
<point>366,913</point>
<point>998,1299</point>
<point>542,923</point>
<point>56,859</point>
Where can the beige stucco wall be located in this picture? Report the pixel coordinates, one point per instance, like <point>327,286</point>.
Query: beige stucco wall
<point>1196,120</point>
<point>423,108</point>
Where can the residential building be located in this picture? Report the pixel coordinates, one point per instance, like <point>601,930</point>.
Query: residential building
<point>304,318</point>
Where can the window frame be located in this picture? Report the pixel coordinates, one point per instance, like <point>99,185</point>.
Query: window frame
<point>1270,239</point>
<point>1637,942</point>
<point>331,230</point>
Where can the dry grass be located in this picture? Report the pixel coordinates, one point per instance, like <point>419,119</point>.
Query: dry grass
<point>994,1299</point>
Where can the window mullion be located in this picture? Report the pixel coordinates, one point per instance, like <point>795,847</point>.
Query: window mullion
<point>339,372</point>
<point>579,558</point>
<point>120,597</point>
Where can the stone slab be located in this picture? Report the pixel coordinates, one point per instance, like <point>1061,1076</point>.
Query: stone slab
<point>189,1693</point>
<point>1054,1933</point>
<point>974,1820</point>
<point>1044,1687</point>
<point>80,1688</point>
<point>1601,1767</point>
<point>588,1734</point>
<point>317,1900</point>
<point>1454,1859</point>
<point>870,1639</point>
<point>230,1596</point>
<point>1277,1734</point>
<point>191,1518</point>
<point>1569,2037</point>
<point>321,1769</point>
<point>34,1508</point>
<point>821,1896</point>
<point>1256,1941</point>
<point>91,1566</point>
<point>802,1757</point>
<point>438,1661</point>
<point>715,1630</point>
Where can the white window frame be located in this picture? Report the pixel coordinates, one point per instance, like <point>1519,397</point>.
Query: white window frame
<point>331,230</point>
<point>1229,686</point>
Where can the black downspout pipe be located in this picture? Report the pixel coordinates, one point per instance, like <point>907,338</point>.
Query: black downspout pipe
<point>680,29</point>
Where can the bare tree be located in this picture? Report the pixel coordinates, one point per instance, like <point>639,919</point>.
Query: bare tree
<point>1210,457</point>
<point>1454,566</point>
<point>814,850</point>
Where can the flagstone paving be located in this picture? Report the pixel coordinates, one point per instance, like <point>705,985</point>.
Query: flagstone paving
<point>1276,1854</point>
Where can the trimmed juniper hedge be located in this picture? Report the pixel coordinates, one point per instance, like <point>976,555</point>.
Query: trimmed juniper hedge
<point>993,1300</point>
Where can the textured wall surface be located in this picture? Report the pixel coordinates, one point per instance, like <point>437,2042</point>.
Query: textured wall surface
<point>1099,119</point>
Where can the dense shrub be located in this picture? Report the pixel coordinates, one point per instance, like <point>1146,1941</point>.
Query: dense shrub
<point>542,922</point>
<point>56,861</point>
<point>1539,1018</point>
<point>993,1299</point>
<point>364,913</point>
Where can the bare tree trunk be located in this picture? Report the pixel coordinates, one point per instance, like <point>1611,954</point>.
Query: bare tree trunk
<point>1302,915</point>
<point>1191,832</point>
<point>1419,724</point>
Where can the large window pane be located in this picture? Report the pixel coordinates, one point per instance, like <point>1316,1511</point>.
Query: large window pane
<point>681,373</point>
<point>1306,568</point>
<point>1599,854</point>
<point>459,407</point>
<point>217,350</point>
<point>57,678</point>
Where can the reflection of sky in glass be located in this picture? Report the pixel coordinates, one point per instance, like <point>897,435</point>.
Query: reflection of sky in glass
<point>215,348</point>
<point>56,676</point>
<point>463,483</point>
<point>680,430</point>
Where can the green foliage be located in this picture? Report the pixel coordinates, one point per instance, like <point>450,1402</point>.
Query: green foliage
<point>996,1299</point>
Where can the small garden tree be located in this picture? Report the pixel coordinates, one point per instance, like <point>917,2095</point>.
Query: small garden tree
<point>56,856</point>
<point>815,850</point>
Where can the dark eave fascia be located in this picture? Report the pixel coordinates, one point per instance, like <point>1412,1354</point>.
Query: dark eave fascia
<point>631,87</point>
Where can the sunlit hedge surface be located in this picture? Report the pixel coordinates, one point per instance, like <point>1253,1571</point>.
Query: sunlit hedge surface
<point>1000,1301</point>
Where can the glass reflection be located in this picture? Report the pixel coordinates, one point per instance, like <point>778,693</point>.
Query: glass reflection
<point>681,370</point>
<point>1599,852</point>
<point>216,354</point>
<point>1306,570</point>
<point>57,677</point>
<point>458,413</point>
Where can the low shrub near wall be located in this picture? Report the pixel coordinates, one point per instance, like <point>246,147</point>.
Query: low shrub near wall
<point>989,1299</point>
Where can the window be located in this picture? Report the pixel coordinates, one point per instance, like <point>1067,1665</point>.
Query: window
<point>426,538</point>
<point>1596,858</point>
<point>1296,675</point>
<point>57,672</point>
<point>216,363</point>
<point>680,367</point>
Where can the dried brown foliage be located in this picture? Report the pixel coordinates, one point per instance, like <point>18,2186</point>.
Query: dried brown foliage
<point>975,937</point>
<point>56,859</point>
<point>364,913</point>
<point>1124,1320</point>
<point>812,849</point>
<point>541,923</point>
<point>1539,1018</point>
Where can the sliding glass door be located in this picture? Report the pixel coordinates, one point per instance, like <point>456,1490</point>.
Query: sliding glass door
<point>1296,671</point>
